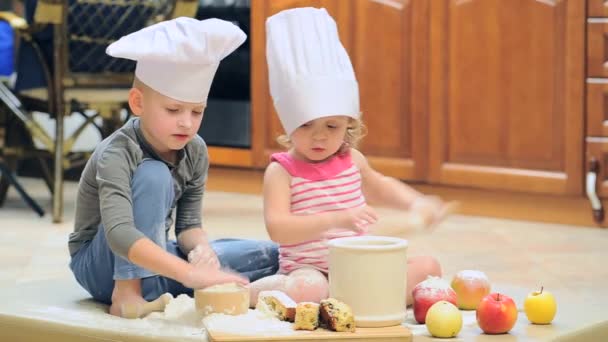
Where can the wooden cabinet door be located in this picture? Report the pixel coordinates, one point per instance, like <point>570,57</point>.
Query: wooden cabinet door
<point>506,99</point>
<point>597,107</point>
<point>597,8</point>
<point>597,47</point>
<point>390,57</point>
<point>266,126</point>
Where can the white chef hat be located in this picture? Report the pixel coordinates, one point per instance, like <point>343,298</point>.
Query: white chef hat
<point>179,58</point>
<point>309,71</point>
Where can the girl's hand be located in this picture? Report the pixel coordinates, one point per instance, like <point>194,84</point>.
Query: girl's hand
<point>203,256</point>
<point>356,219</point>
<point>432,209</point>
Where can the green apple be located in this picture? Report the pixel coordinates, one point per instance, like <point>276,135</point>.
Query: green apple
<point>443,319</point>
<point>540,307</point>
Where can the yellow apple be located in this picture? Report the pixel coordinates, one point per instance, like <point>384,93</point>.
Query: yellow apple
<point>443,319</point>
<point>540,307</point>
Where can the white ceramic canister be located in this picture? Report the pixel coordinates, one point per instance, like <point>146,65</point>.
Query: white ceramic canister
<point>369,274</point>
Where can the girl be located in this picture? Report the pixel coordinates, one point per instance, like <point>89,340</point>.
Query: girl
<point>318,190</point>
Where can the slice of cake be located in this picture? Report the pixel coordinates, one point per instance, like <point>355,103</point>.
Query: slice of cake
<point>307,316</point>
<point>337,315</point>
<point>278,304</point>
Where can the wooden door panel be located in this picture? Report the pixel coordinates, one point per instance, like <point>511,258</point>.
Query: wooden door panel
<point>502,93</point>
<point>597,107</point>
<point>597,47</point>
<point>390,59</point>
<point>382,60</point>
<point>597,8</point>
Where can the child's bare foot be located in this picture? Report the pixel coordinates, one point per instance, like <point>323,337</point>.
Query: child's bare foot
<point>137,309</point>
<point>125,292</point>
<point>116,308</point>
<point>273,282</point>
<point>307,285</point>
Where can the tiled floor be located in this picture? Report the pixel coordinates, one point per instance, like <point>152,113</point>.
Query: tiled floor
<point>517,256</point>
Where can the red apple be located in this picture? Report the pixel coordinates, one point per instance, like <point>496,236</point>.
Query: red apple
<point>496,314</point>
<point>429,292</point>
<point>470,286</point>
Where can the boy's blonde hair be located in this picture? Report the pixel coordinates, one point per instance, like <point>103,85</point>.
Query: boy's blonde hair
<point>355,131</point>
<point>137,83</point>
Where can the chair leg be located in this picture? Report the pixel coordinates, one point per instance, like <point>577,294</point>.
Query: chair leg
<point>8,176</point>
<point>11,164</point>
<point>3,187</point>
<point>59,70</point>
<point>47,175</point>
<point>58,179</point>
<point>58,169</point>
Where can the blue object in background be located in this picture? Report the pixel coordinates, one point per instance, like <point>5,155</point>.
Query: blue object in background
<point>6,49</point>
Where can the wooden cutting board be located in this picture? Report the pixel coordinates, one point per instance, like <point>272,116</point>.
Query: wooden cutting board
<point>388,334</point>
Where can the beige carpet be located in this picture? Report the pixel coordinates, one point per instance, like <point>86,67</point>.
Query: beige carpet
<point>517,256</point>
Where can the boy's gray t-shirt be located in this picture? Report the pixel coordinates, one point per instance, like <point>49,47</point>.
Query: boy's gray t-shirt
<point>104,191</point>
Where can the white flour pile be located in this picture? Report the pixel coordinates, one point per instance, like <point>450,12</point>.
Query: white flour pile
<point>181,310</point>
<point>252,323</point>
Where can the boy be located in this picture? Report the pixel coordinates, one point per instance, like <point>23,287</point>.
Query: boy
<point>156,162</point>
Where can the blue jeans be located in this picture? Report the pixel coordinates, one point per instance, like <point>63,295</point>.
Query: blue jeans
<point>95,266</point>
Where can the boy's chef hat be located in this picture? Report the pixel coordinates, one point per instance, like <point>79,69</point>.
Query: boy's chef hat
<point>179,58</point>
<point>309,71</point>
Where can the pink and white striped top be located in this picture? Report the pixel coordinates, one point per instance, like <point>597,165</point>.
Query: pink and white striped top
<point>331,185</point>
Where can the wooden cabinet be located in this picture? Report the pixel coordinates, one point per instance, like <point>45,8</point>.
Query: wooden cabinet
<point>596,163</point>
<point>506,94</point>
<point>390,57</point>
<point>478,93</point>
<point>597,8</point>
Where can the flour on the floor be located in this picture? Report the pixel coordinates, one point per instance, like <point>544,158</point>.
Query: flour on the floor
<point>181,311</point>
<point>252,323</point>
<point>178,321</point>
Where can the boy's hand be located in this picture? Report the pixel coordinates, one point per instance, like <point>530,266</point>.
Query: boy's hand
<point>203,256</point>
<point>356,219</point>
<point>205,275</point>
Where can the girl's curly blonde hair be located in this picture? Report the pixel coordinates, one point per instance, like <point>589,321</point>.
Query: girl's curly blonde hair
<point>355,131</point>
